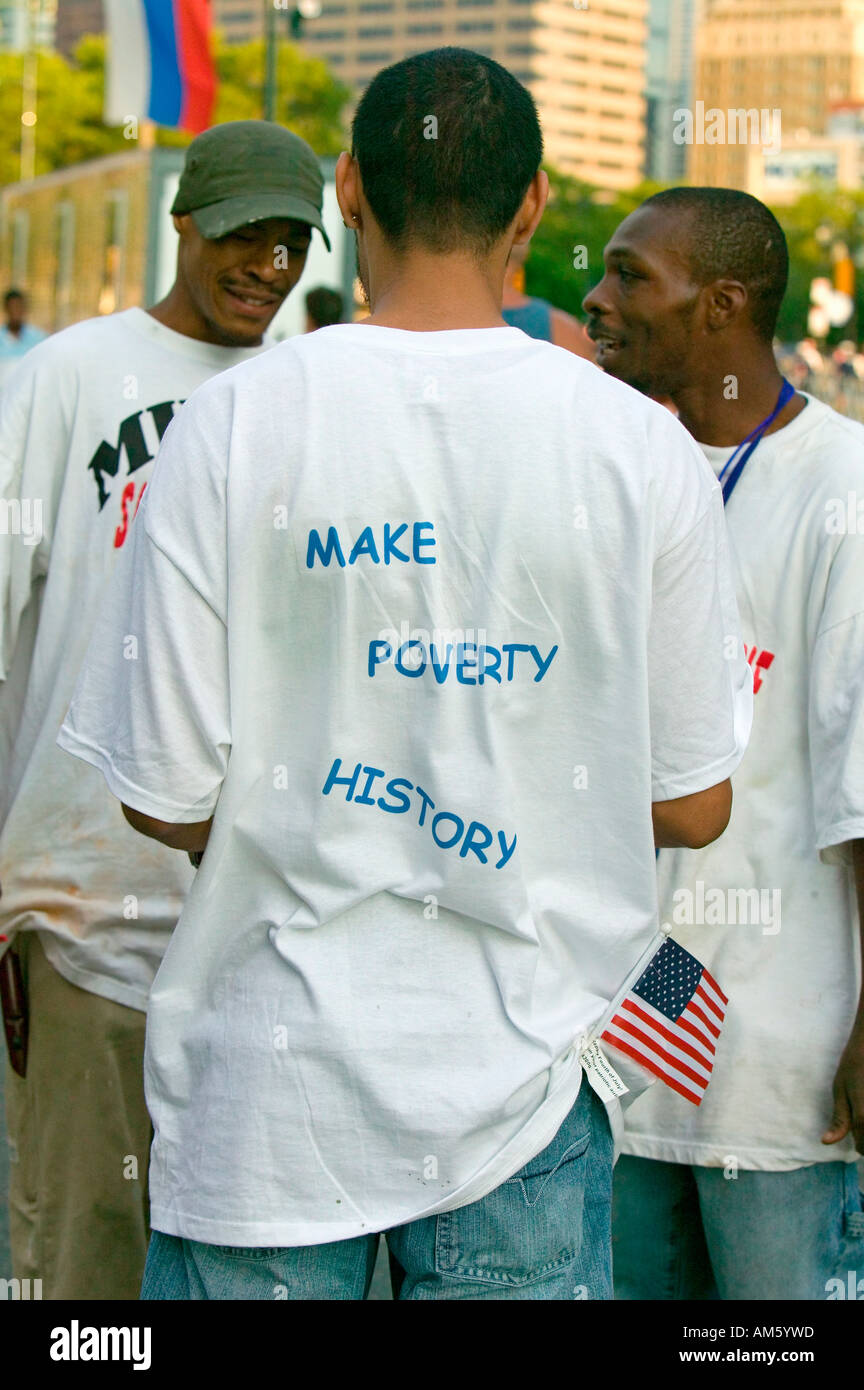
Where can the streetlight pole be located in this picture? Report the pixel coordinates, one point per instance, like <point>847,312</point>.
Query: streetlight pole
<point>301,11</point>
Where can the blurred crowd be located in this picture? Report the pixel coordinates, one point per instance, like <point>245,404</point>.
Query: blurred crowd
<point>834,375</point>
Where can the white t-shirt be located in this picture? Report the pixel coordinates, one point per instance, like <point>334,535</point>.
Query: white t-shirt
<point>770,906</point>
<point>80,422</point>
<point>427,620</point>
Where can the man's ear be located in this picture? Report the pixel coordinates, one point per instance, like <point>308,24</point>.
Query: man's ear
<point>725,301</point>
<point>532,209</point>
<point>347,179</point>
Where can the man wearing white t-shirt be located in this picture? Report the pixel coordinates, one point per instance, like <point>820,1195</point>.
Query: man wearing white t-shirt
<point>407,595</point>
<point>89,904</point>
<point>753,1194</point>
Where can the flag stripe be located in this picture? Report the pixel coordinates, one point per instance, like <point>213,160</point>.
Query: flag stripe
<point>166,88</point>
<point>670,1068</point>
<point>666,1033</point>
<point>709,979</point>
<point>127,72</point>
<point>689,1028</point>
<point>694,1008</point>
<point>655,1050</point>
<point>652,1067</point>
<point>196,64</point>
<point>709,1002</point>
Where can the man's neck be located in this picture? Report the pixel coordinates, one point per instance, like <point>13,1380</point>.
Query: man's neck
<point>732,399</point>
<point>177,313</point>
<point>513,298</point>
<point>16,329</point>
<point>428,294</point>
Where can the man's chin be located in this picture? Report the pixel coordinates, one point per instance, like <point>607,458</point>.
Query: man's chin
<point>615,364</point>
<point>239,334</point>
<point>612,365</point>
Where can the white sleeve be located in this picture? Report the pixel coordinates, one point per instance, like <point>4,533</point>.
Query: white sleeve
<point>151,708</point>
<point>836,707</point>
<point>701,688</point>
<point>34,439</point>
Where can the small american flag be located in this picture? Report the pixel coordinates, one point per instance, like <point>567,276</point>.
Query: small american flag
<point>671,1020</point>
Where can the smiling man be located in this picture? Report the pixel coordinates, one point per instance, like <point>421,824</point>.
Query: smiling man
<point>751,1195</point>
<point>89,903</point>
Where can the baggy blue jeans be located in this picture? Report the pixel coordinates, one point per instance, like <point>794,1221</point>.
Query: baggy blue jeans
<point>682,1232</point>
<point>545,1233</point>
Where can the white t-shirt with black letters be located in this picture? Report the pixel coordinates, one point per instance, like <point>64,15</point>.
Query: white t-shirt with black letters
<point>81,419</point>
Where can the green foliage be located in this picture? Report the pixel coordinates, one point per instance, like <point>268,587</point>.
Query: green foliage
<point>310,100</point>
<point>576,215</point>
<point>69,107</point>
<point>69,104</point>
<point>840,215</point>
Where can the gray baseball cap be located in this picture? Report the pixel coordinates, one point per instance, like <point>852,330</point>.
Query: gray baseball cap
<point>246,171</point>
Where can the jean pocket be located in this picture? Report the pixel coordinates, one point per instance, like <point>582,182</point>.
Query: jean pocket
<point>532,1179</point>
<point>527,1227</point>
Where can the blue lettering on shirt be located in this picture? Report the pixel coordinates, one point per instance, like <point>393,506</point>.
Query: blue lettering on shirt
<point>474,664</point>
<point>423,540</point>
<point>365,544</point>
<point>325,555</point>
<point>447,828</point>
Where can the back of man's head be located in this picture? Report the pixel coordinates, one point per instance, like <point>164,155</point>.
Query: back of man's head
<point>324,306</point>
<point>447,143</point>
<point>730,235</point>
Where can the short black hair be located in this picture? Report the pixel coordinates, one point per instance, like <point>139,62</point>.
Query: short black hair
<point>324,306</point>
<point>13,294</point>
<point>731,235</point>
<point>447,143</point>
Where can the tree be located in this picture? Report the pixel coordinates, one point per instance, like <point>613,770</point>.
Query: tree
<point>70,95</point>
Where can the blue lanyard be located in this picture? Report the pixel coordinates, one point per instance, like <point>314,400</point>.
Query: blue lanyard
<point>787,391</point>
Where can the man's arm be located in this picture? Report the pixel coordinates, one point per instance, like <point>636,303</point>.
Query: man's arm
<point>188,837</point>
<point>848,1115</point>
<point>692,822</point>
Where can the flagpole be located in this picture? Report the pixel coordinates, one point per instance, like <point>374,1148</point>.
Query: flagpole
<point>270,61</point>
<point>28,96</point>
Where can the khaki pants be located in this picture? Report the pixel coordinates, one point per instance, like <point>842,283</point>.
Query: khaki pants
<point>79,1136</point>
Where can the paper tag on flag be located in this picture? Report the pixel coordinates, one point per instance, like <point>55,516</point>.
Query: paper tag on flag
<point>601,1074</point>
<point>670,1020</point>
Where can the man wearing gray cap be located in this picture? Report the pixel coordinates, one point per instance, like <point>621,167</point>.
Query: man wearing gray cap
<point>87,904</point>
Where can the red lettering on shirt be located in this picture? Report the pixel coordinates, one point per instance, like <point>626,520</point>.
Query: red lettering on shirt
<point>123,529</point>
<point>760,661</point>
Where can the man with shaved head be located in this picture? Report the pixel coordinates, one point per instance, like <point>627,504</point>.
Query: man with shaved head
<point>753,1193</point>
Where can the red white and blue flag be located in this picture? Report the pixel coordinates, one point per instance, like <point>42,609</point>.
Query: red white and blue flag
<point>160,65</point>
<point>670,1021</point>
